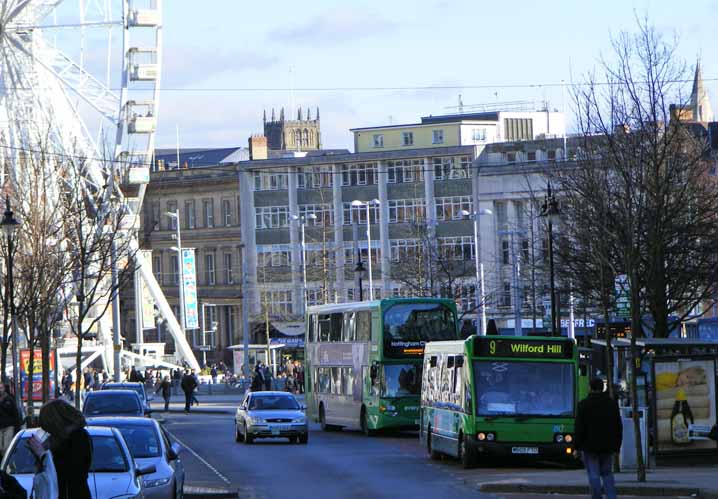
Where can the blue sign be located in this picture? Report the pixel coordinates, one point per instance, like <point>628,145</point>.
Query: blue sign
<point>189,287</point>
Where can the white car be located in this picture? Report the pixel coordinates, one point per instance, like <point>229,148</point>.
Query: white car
<point>113,473</point>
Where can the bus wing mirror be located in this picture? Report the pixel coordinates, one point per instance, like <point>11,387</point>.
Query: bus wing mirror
<point>373,372</point>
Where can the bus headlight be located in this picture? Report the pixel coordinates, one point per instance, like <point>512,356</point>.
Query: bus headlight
<point>481,436</point>
<point>558,438</point>
<point>568,438</point>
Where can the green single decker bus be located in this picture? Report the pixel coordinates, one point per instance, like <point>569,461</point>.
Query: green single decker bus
<point>363,360</point>
<point>500,396</point>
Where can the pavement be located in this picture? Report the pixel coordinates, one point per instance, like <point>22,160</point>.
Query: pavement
<point>338,465</point>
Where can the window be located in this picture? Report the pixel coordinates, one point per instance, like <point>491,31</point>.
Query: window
<point>505,252</point>
<point>189,214</point>
<point>171,221</point>
<point>358,214</point>
<point>264,181</point>
<point>531,156</point>
<point>518,129</point>
<point>437,136</point>
<point>316,177</point>
<point>449,208</point>
<point>315,297</point>
<point>155,215</point>
<point>405,171</point>
<point>323,212</point>
<point>506,294</point>
<point>511,157</point>
<point>457,248</point>
<point>277,255</point>
<point>405,250</point>
<point>363,325</point>
<point>210,269</point>
<point>551,155</point>
<point>501,215</point>
<point>278,302</point>
<point>229,324</point>
<point>447,168</point>
<point>157,268</point>
<point>378,140</point>
<point>272,217</point>
<point>478,134</point>
<point>407,138</point>
<point>208,210</point>
<point>525,250</point>
<point>359,174</point>
<point>227,212</point>
<point>406,210</point>
<point>174,269</point>
<point>228,269</point>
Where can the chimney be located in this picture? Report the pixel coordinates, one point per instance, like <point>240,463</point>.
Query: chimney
<point>258,147</point>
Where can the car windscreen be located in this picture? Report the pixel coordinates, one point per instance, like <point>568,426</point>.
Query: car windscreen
<point>143,441</point>
<point>116,403</point>
<point>107,456</point>
<point>524,388</point>
<point>273,403</point>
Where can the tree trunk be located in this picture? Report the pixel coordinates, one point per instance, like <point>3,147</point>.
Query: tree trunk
<point>45,349</point>
<point>609,371</point>
<point>30,375</point>
<point>78,371</point>
<point>635,364</point>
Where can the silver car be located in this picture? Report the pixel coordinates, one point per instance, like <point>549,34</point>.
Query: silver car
<point>113,472</point>
<point>271,415</point>
<point>150,446</point>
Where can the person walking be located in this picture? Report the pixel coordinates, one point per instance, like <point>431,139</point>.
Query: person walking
<point>267,378</point>
<point>213,373</point>
<point>9,417</point>
<point>194,400</point>
<point>166,387</point>
<point>70,445</point>
<point>176,380</point>
<point>599,433</point>
<point>188,384</point>
<point>134,376</point>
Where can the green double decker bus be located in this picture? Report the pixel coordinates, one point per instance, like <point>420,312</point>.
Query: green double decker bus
<point>500,396</point>
<point>363,360</point>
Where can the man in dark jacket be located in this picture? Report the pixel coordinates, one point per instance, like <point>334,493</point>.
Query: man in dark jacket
<point>189,383</point>
<point>9,418</point>
<point>599,433</point>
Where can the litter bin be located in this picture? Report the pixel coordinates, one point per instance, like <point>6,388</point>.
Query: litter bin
<point>627,457</point>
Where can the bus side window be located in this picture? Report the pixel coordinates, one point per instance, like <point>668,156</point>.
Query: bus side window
<point>349,329</point>
<point>337,321</point>
<point>324,327</point>
<point>362,321</point>
<point>347,381</point>
<point>312,325</point>
<point>336,380</point>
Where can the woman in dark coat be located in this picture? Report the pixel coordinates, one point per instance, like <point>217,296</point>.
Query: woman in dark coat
<point>70,445</point>
<point>166,387</point>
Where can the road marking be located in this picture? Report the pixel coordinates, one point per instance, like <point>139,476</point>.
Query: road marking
<point>201,459</point>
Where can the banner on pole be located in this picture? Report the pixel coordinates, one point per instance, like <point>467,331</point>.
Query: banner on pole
<point>189,286</point>
<point>148,304</point>
<point>36,374</point>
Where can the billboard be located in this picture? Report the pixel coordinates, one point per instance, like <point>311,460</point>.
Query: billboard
<point>148,304</point>
<point>36,374</point>
<point>685,404</point>
<point>189,287</point>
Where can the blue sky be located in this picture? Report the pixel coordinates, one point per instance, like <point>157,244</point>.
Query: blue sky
<point>222,44</point>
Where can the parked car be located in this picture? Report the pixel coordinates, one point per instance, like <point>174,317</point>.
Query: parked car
<point>138,387</point>
<point>113,472</point>
<point>271,415</point>
<point>113,403</point>
<point>150,445</point>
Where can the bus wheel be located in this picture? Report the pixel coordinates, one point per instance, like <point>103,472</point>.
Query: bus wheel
<point>466,454</point>
<point>323,420</point>
<point>364,423</point>
<point>432,453</point>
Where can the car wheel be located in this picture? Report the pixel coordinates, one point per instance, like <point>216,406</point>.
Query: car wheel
<point>237,434</point>
<point>303,439</point>
<point>248,438</point>
<point>292,440</point>
<point>432,453</point>
<point>364,423</point>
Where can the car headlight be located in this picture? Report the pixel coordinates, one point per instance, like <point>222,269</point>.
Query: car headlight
<point>255,420</point>
<point>299,420</point>
<point>156,482</point>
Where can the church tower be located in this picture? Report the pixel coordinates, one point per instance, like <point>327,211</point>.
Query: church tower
<point>700,103</point>
<point>300,134</point>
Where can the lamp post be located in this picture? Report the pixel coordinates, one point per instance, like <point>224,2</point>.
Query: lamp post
<point>551,212</point>
<point>368,204</point>
<point>303,222</point>
<point>360,272</point>
<point>180,267</point>
<point>481,295</point>
<point>9,227</point>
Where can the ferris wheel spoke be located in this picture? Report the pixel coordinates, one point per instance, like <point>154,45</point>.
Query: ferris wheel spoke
<point>28,11</point>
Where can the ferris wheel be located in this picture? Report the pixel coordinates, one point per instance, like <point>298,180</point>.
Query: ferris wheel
<point>85,76</point>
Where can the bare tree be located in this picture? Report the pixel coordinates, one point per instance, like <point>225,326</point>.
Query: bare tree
<point>640,177</point>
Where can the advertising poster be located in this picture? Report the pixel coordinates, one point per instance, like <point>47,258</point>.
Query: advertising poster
<point>191,309</point>
<point>36,374</point>
<point>685,404</point>
<point>148,304</point>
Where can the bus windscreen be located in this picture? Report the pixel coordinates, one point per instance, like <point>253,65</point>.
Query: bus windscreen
<point>524,388</point>
<point>408,326</point>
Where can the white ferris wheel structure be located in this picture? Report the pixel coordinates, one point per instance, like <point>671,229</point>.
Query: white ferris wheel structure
<point>85,75</point>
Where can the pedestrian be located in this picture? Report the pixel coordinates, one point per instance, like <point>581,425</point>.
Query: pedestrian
<point>213,373</point>
<point>70,445</point>
<point>9,417</point>
<point>88,379</point>
<point>267,378</point>
<point>176,380</point>
<point>599,433</point>
<point>194,396</point>
<point>67,386</point>
<point>166,388</point>
<point>105,377</point>
<point>188,384</point>
<point>300,378</point>
<point>134,376</point>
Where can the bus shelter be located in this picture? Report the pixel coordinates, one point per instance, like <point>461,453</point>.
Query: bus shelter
<point>677,381</point>
<point>267,354</point>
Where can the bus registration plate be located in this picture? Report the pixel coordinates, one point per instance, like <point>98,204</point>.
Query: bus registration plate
<point>524,450</point>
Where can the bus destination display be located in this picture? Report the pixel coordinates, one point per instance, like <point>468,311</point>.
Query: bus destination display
<point>510,347</point>
<point>397,349</point>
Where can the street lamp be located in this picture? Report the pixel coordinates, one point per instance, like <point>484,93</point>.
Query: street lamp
<point>303,221</point>
<point>9,227</point>
<point>551,213</point>
<point>175,215</point>
<point>368,204</point>
<point>481,295</point>
<point>360,272</point>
